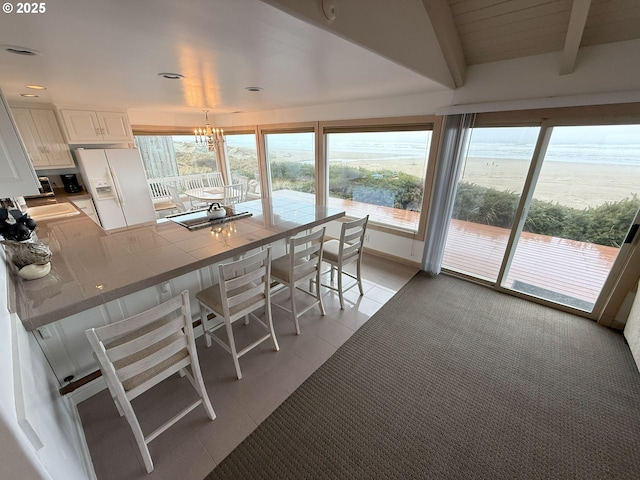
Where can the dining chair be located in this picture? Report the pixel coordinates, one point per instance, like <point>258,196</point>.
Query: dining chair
<point>244,181</point>
<point>141,351</point>
<point>175,196</point>
<point>233,193</point>
<point>302,263</point>
<point>348,249</point>
<point>243,287</point>
<point>214,179</point>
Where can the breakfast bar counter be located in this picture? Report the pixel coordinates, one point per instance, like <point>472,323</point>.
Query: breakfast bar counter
<point>91,266</point>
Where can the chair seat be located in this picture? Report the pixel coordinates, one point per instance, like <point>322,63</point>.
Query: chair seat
<point>280,268</point>
<point>331,252</point>
<point>210,296</point>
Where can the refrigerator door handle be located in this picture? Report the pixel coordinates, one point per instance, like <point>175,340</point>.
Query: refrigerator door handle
<point>116,186</point>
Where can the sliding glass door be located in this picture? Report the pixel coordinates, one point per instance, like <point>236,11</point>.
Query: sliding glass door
<point>491,181</point>
<point>582,206</point>
<point>549,218</point>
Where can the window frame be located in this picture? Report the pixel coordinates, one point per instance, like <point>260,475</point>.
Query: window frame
<point>319,129</point>
<point>409,123</point>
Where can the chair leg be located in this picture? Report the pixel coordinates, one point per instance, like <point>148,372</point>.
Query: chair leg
<point>204,320</point>
<point>139,436</point>
<point>322,312</point>
<point>294,311</point>
<point>359,278</point>
<point>232,347</point>
<point>202,391</point>
<point>340,287</point>
<point>267,314</point>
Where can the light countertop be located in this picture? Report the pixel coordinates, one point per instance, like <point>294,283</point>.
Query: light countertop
<point>91,266</point>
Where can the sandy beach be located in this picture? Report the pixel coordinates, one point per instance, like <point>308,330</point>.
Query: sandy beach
<point>578,185</point>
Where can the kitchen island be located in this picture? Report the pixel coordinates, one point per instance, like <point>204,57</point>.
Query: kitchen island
<point>100,276</point>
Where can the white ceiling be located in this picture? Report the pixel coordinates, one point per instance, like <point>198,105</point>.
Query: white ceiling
<point>109,52</point>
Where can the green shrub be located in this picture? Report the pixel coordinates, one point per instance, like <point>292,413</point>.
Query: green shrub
<point>606,224</point>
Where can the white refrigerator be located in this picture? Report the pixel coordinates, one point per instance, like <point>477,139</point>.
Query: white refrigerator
<point>117,182</point>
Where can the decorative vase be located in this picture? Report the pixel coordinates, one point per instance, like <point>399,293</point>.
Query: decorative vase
<point>34,255</point>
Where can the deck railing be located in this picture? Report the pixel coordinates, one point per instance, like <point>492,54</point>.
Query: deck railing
<point>160,193</point>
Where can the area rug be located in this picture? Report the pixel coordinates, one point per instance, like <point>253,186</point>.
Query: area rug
<point>452,380</point>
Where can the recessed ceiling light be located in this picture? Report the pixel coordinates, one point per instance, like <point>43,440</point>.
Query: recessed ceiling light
<point>253,89</point>
<point>36,87</point>
<point>171,76</point>
<point>20,50</point>
<point>30,95</point>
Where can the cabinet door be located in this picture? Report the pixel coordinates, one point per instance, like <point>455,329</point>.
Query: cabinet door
<point>81,126</point>
<point>56,150</point>
<point>17,176</point>
<point>114,126</point>
<point>30,138</point>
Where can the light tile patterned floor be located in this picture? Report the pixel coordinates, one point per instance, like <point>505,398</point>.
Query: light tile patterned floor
<point>190,449</point>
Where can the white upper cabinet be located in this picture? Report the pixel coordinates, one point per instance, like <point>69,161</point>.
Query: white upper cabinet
<point>43,138</point>
<point>90,126</point>
<point>17,176</point>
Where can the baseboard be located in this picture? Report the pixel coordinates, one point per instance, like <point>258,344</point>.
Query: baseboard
<point>393,258</point>
<point>86,455</point>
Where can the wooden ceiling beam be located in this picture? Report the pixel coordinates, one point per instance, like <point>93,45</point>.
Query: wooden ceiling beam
<point>577,21</point>
<point>444,26</point>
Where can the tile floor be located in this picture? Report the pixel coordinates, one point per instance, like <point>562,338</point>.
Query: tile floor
<point>192,448</point>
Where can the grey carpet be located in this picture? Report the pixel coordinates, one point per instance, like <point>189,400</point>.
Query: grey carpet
<point>451,380</point>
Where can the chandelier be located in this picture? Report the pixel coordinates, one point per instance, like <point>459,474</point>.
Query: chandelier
<point>211,137</point>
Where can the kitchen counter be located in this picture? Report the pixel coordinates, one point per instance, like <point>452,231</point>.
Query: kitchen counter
<point>91,266</point>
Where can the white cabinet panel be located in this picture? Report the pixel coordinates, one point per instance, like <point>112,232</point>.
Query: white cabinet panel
<point>17,176</point>
<point>43,138</point>
<point>115,126</point>
<point>89,126</point>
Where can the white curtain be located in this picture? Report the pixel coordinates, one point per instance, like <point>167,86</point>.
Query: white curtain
<point>455,133</point>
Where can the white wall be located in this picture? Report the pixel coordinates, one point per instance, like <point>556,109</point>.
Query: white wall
<point>601,70</point>
<point>40,436</point>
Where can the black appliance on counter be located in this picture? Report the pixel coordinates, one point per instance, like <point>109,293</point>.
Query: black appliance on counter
<point>70,182</point>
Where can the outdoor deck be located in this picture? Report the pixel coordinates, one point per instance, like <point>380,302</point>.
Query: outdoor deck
<point>565,271</point>
<point>562,270</point>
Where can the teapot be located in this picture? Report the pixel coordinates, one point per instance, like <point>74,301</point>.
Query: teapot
<point>216,210</point>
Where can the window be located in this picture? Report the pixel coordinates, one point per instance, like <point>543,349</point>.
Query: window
<point>242,156</point>
<point>291,159</point>
<point>174,155</point>
<point>380,173</point>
